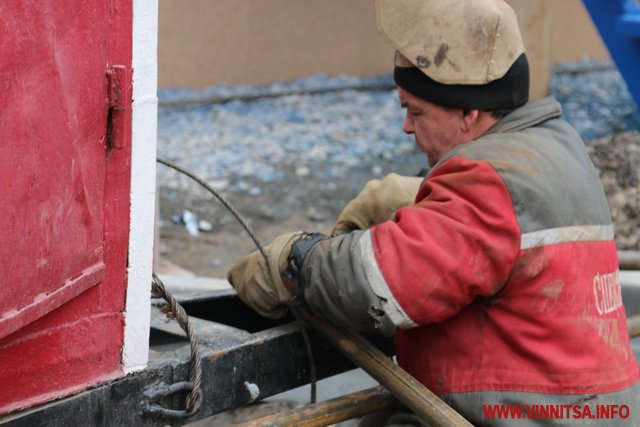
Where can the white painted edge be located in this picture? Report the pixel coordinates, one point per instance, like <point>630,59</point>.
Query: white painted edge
<point>135,354</point>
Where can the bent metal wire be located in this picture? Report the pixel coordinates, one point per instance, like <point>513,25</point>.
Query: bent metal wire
<point>194,397</point>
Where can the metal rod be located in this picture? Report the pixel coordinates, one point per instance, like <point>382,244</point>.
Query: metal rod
<point>222,99</point>
<point>633,324</point>
<point>329,412</point>
<point>398,381</point>
<point>629,260</point>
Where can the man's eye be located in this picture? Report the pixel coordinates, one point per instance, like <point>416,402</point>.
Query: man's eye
<point>415,112</point>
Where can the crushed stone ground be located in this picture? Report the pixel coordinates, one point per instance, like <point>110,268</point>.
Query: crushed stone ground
<point>292,162</point>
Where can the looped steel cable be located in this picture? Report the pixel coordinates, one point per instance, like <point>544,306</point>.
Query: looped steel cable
<point>176,311</point>
<point>245,225</point>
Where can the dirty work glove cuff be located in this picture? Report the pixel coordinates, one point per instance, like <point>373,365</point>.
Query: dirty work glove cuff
<point>299,251</point>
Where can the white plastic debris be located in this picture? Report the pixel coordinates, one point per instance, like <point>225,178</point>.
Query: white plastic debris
<point>204,225</point>
<point>190,222</point>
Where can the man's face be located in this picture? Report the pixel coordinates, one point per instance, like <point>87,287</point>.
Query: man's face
<point>436,129</point>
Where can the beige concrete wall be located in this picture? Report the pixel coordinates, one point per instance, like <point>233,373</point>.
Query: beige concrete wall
<point>207,42</point>
<point>553,31</point>
<point>573,35</point>
<point>204,42</point>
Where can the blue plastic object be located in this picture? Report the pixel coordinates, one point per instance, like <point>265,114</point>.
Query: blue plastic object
<point>618,22</point>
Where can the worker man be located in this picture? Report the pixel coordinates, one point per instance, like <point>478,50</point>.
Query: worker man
<point>500,279</point>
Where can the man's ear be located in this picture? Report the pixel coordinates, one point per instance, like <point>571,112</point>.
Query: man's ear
<point>469,118</point>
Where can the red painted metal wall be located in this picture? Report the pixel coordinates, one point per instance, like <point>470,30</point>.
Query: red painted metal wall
<point>65,173</point>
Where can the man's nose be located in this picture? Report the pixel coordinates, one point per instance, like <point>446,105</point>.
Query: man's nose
<point>407,125</point>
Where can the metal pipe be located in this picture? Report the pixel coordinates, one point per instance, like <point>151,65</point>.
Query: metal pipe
<point>629,260</point>
<point>222,99</point>
<point>633,324</point>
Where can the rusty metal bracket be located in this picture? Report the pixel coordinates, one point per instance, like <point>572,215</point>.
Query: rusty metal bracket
<point>119,98</point>
<point>159,391</point>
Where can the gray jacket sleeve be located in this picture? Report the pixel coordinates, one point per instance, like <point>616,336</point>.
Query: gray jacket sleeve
<point>335,286</point>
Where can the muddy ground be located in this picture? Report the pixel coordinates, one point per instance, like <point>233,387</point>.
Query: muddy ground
<point>211,253</point>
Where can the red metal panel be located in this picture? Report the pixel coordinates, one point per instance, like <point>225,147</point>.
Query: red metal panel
<point>17,317</point>
<point>65,198</point>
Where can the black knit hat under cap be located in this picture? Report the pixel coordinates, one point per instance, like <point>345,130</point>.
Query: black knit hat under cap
<point>510,91</point>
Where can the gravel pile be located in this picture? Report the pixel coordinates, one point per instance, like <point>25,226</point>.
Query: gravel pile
<point>594,98</point>
<point>304,150</point>
<point>310,145</point>
<point>618,161</point>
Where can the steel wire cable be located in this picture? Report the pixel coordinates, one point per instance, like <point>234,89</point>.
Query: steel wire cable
<point>247,228</point>
<point>176,311</point>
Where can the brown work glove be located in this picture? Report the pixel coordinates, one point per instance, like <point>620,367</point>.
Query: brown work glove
<point>377,202</point>
<point>262,287</point>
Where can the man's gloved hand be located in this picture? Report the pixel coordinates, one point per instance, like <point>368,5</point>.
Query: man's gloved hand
<point>377,202</point>
<point>260,286</point>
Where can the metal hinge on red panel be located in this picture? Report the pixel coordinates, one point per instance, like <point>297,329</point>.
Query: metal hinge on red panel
<point>119,106</point>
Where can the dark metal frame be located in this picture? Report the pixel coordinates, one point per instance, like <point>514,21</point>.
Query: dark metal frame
<point>239,352</point>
